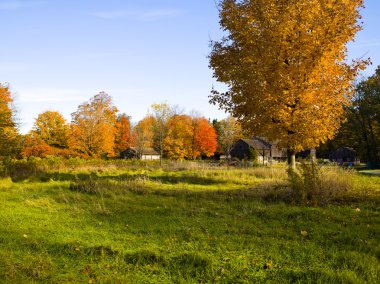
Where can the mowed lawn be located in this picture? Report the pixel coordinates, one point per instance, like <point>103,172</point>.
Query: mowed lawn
<point>183,225</point>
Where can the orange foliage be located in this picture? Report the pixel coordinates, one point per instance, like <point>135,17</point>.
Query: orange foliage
<point>178,141</point>
<point>204,138</point>
<point>123,135</point>
<point>34,146</point>
<point>8,131</point>
<point>189,138</point>
<point>93,127</point>
<point>5,98</point>
<point>51,127</point>
<point>285,66</point>
<point>5,110</point>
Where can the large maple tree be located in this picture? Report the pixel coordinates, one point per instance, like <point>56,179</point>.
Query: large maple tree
<point>284,64</point>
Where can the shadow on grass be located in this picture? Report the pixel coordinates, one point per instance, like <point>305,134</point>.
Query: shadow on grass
<point>143,184</point>
<point>75,177</point>
<point>37,260</point>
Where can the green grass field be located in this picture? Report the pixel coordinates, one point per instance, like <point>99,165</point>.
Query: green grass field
<point>191,224</point>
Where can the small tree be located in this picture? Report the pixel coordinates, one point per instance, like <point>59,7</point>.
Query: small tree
<point>189,137</point>
<point>143,134</point>
<point>178,141</point>
<point>203,140</point>
<point>9,137</point>
<point>93,127</point>
<point>364,116</point>
<point>161,113</point>
<point>229,131</point>
<point>361,130</point>
<point>123,133</point>
<point>51,127</point>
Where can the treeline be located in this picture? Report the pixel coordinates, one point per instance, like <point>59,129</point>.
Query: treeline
<point>361,131</point>
<point>98,130</point>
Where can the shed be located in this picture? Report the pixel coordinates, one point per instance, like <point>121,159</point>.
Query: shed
<point>133,153</point>
<point>267,151</point>
<point>344,155</point>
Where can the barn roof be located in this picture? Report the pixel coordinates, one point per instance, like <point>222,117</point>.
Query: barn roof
<point>258,143</point>
<point>147,151</point>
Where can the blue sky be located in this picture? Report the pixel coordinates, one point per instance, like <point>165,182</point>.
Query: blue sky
<point>56,54</point>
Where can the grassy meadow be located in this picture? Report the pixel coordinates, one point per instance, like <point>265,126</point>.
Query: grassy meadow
<point>132,222</point>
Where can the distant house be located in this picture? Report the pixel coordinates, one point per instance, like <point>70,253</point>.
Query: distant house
<point>308,153</point>
<point>147,154</point>
<point>344,155</point>
<point>267,152</point>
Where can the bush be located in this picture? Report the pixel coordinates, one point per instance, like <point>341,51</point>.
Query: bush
<point>312,184</point>
<point>23,169</point>
<point>3,170</point>
<point>306,182</point>
<point>253,156</point>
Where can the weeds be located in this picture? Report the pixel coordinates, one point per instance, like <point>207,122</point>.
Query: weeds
<point>315,185</point>
<point>306,183</point>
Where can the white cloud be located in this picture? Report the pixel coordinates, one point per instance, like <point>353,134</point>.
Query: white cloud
<point>138,15</point>
<point>18,4</point>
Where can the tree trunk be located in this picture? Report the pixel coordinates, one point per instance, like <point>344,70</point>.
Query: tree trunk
<point>161,148</point>
<point>292,160</point>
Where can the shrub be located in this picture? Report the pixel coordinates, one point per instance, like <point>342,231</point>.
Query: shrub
<point>253,156</point>
<point>23,169</point>
<point>306,182</point>
<point>312,184</point>
<point>3,169</point>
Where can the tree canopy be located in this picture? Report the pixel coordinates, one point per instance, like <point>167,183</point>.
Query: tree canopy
<point>52,128</point>
<point>123,133</point>
<point>93,126</point>
<point>189,137</point>
<point>229,131</point>
<point>8,129</point>
<point>284,64</point>
<point>361,130</point>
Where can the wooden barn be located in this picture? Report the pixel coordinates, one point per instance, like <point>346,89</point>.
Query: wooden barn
<point>267,152</point>
<point>344,156</point>
<point>147,154</point>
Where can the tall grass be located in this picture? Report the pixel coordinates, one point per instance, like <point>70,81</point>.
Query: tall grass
<point>314,184</point>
